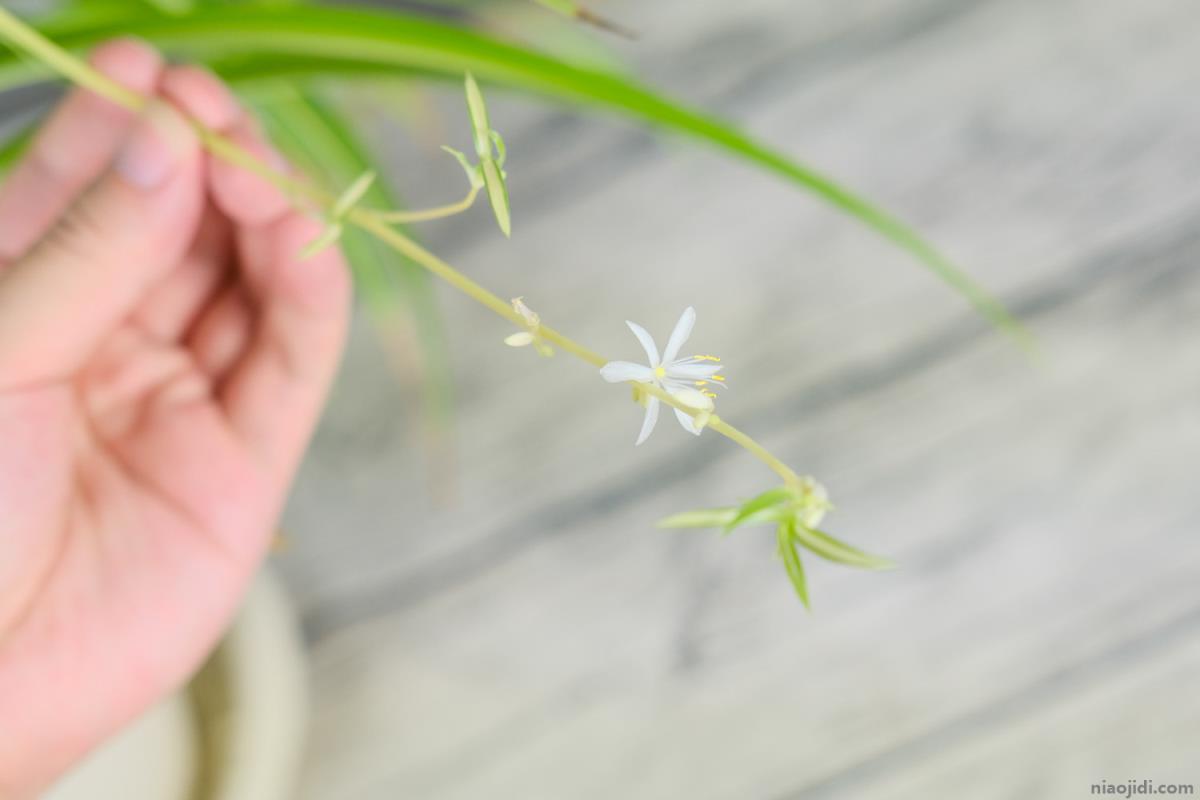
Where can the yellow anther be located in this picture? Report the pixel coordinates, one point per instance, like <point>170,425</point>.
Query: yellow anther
<point>706,358</point>
<point>718,378</point>
<point>660,372</point>
<point>702,383</point>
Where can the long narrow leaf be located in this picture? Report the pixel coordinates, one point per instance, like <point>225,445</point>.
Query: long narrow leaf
<point>832,549</point>
<point>792,562</point>
<point>315,135</point>
<point>718,518</point>
<point>757,504</point>
<point>383,40</point>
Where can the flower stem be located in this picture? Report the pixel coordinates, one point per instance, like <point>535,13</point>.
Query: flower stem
<point>438,212</point>
<point>790,477</point>
<point>378,223</point>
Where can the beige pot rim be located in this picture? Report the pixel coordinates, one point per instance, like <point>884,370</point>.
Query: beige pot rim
<point>235,733</point>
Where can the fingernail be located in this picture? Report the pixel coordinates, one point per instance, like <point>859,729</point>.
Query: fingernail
<point>155,147</point>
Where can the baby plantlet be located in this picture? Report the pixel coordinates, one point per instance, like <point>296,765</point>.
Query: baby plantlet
<point>491,167</point>
<point>796,510</point>
<point>335,227</point>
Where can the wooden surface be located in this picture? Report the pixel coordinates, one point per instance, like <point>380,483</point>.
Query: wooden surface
<point>541,639</point>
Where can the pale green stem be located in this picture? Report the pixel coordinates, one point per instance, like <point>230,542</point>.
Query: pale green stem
<point>757,450</point>
<point>375,222</point>
<point>438,212</point>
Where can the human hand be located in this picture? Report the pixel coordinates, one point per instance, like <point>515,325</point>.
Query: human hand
<point>163,360</point>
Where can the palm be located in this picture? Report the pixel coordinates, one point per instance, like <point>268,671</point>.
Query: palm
<point>151,421</point>
<point>146,501</point>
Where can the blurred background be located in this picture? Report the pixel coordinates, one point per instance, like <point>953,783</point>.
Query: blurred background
<point>486,605</point>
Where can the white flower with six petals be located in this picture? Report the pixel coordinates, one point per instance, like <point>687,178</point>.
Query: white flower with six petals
<point>687,379</point>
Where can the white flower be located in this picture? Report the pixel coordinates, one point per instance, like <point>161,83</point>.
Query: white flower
<point>687,379</point>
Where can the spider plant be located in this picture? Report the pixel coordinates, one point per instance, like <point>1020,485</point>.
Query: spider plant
<point>288,45</point>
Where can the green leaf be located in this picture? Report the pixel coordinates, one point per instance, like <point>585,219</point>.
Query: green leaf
<point>497,194</point>
<point>791,562</point>
<point>766,500</point>
<point>831,549</point>
<point>474,174</point>
<point>172,6</point>
<point>700,518</point>
<point>353,194</point>
<point>14,147</point>
<point>481,129</point>
<point>255,42</point>
<point>501,150</point>
<point>718,518</point>
<point>332,232</point>
<point>484,137</point>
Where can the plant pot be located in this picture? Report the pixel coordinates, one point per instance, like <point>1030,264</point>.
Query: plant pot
<point>235,733</point>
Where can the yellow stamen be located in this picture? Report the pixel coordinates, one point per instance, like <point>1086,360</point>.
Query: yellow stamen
<point>660,372</point>
<point>706,358</point>
<point>718,378</point>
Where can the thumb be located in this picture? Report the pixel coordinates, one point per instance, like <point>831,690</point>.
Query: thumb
<point>114,243</point>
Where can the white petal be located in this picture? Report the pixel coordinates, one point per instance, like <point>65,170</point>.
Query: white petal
<point>647,342</point>
<point>693,398</point>
<point>683,329</point>
<point>686,421</point>
<point>618,371</point>
<point>649,421</point>
<point>692,372</point>
<point>519,339</point>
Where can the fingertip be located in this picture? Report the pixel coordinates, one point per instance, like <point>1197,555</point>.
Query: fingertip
<point>129,61</point>
<point>157,148</point>
<point>201,95</point>
<point>246,198</point>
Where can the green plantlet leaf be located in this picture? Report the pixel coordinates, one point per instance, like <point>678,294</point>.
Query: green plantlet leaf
<point>718,517</point>
<point>353,194</point>
<point>501,150</point>
<point>791,561</point>
<point>328,236</point>
<point>480,127</point>
<point>474,174</point>
<point>766,500</point>
<point>497,194</point>
<point>700,518</point>
<point>831,549</point>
